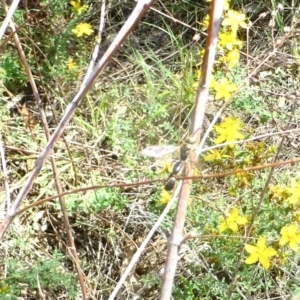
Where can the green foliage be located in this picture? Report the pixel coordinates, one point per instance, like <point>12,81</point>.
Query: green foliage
<point>11,71</point>
<point>188,289</point>
<point>42,274</point>
<point>96,201</point>
<point>204,287</point>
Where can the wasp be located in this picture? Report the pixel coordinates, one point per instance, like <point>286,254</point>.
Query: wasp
<point>158,151</point>
<point>170,183</point>
<point>185,148</point>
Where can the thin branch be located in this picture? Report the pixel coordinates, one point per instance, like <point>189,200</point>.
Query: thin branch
<point>98,43</point>
<point>258,137</point>
<point>199,177</point>
<point>250,228</point>
<point>5,173</point>
<point>9,15</point>
<point>195,133</point>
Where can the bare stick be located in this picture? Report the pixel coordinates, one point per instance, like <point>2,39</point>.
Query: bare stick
<point>9,14</point>
<point>98,43</point>
<point>5,173</point>
<point>195,132</point>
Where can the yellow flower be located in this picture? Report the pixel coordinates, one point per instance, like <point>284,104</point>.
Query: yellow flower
<point>232,221</point>
<point>205,22</point>
<point>201,55</point>
<point>165,197</point>
<point>223,88</point>
<point>280,192</point>
<point>235,20</point>
<point>228,40</point>
<point>226,5</point>
<point>232,58</point>
<point>260,253</point>
<point>290,234</point>
<point>70,65</point>
<point>229,130</point>
<point>78,8</point>
<point>76,4</point>
<point>83,28</point>
<point>215,155</point>
<point>295,191</point>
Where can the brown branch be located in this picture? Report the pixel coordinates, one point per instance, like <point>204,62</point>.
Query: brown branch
<point>140,250</point>
<point>195,133</point>
<point>122,185</point>
<point>5,173</point>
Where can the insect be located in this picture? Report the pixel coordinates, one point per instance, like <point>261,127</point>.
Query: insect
<point>170,183</point>
<point>185,148</point>
<point>159,151</point>
<point>177,166</point>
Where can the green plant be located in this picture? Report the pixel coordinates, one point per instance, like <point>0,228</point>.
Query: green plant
<point>42,275</point>
<point>96,201</point>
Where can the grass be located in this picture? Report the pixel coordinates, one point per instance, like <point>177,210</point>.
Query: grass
<point>145,97</point>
